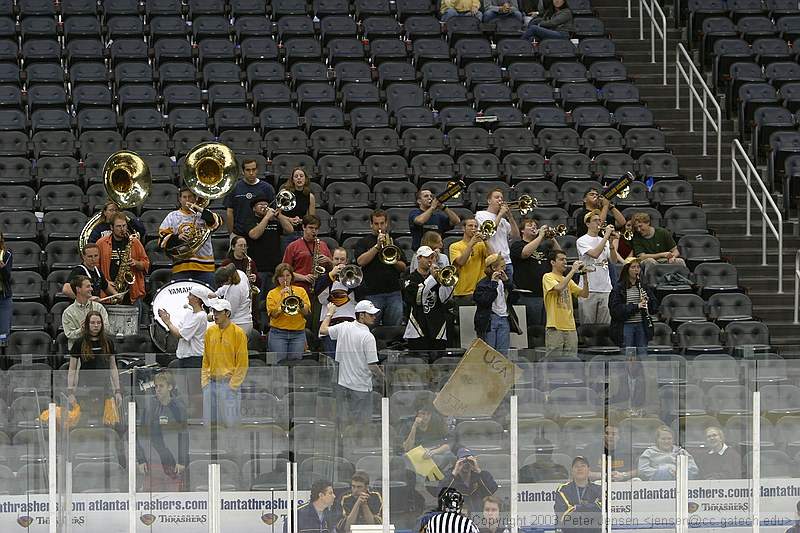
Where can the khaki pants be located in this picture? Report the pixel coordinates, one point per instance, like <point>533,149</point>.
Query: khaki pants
<point>561,342</point>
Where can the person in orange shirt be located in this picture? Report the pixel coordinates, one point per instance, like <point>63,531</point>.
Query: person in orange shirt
<point>112,253</point>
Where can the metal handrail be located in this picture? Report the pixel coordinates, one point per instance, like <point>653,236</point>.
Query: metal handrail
<point>796,285</point>
<point>762,204</point>
<point>690,77</point>
<point>651,9</point>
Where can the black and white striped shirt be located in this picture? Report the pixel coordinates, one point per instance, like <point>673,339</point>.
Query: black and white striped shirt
<point>450,523</point>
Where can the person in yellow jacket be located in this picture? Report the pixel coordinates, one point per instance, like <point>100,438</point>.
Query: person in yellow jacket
<point>225,363</point>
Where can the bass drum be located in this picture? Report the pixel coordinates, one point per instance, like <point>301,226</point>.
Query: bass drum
<point>173,298</point>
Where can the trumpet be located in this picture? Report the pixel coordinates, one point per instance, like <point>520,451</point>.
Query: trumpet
<point>447,276</point>
<point>523,204</point>
<point>291,304</point>
<point>488,229</point>
<point>593,267</point>
<point>389,252</point>
<point>552,233</point>
<point>350,276</point>
<point>627,234</point>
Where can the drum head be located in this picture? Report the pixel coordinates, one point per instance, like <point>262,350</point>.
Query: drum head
<point>172,297</point>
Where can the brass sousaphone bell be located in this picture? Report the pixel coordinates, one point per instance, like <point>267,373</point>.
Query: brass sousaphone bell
<point>127,181</point>
<point>210,171</point>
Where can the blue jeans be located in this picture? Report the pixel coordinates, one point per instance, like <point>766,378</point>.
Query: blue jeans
<point>328,346</point>
<point>534,309</point>
<point>391,306</point>
<point>634,335</point>
<point>287,344</point>
<point>6,309</point>
<point>536,32</point>
<point>499,334</point>
<point>355,407</point>
<point>450,13</point>
<point>491,15</point>
<point>194,275</point>
<point>221,403</point>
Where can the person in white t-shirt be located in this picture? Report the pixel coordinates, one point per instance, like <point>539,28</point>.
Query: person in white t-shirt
<point>233,285</point>
<point>505,223</point>
<point>599,253</point>
<point>357,355</point>
<point>191,330</point>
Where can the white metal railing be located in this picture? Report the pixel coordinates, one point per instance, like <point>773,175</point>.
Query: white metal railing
<point>762,204</point>
<point>796,285</point>
<point>653,8</point>
<point>690,75</point>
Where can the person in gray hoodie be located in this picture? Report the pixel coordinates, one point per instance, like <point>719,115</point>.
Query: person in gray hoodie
<point>554,23</point>
<point>660,462</point>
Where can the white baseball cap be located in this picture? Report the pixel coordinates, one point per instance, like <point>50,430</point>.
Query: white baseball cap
<point>200,292</point>
<point>220,304</point>
<point>366,306</point>
<point>425,251</point>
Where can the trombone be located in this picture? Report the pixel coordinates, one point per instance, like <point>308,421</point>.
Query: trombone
<point>523,204</point>
<point>389,252</point>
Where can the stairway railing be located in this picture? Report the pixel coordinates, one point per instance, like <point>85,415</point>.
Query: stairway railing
<point>763,204</point>
<point>796,286</point>
<point>690,75</point>
<point>653,8</point>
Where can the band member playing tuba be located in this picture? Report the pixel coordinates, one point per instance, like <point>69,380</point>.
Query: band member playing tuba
<point>180,227</point>
<point>124,260</point>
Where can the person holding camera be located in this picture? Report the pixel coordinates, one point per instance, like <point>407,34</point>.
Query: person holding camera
<point>469,479</point>
<point>359,506</point>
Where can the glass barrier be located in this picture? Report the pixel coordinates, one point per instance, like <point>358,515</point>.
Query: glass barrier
<point>450,422</point>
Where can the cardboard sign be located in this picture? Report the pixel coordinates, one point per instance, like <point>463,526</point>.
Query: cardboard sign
<point>479,383</point>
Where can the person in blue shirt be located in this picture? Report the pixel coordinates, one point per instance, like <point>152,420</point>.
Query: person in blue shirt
<point>430,215</point>
<point>315,516</point>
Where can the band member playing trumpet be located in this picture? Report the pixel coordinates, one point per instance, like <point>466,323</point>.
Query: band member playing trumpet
<point>180,227</point>
<point>505,226</point>
<point>529,256</point>
<point>287,335</point>
<point>89,268</point>
<point>431,215</point>
<point>561,335</point>
<point>425,297</point>
<point>381,278</point>
<point>122,259</point>
<point>495,296</point>
<point>598,251</point>
<point>264,237</point>
<point>331,288</point>
<point>468,255</point>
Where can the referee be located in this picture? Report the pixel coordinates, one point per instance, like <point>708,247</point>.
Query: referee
<point>449,518</point>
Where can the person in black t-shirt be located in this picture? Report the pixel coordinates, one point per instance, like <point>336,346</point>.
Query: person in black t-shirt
<point>381,281</point>
<point>592,199</point>
<point>94,354</point>
<point>263,236</point>
<point>90,268</point>
<point>529,256</point>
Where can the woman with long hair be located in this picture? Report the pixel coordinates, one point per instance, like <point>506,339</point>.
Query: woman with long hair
<point>233,286</point>
<point>237,255</point>
<point>6,303</point>
<point>94,352</point>
<point>299,184</point>
<point>287,332</point>
<point>660,461</point>
<point>631,303</point>
<point>554,23</point>
<point>432,239</point>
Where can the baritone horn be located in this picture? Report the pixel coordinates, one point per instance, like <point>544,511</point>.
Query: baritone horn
<point>447,276</point>
<point>127,182</point>
<point>210,171</point>
<point>351,276</point>
<point>389,252</point>
<point>488,229</point>
<point>523,204</point>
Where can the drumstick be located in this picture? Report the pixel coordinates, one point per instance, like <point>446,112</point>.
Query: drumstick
<point>118,295</point>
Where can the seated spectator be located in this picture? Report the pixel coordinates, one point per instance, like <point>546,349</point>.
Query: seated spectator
<point>493,9</point>
<point>577,503</point>
<point>653,245</point>
<point>460,8</point>
<point>618,452</point>
<point>660,462</point>
<point>469,479</point>
<point>429,430</point>
<point>629,391</point>
<point>554,23</point>
<point>360,505</point>
<point>718,461</point>
<point>491,521</point>
<point>544,468</point>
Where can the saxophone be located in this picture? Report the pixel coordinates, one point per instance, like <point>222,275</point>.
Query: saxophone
<point>254,291</point>
<point>316,265</point>
<point>124,275</point>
